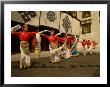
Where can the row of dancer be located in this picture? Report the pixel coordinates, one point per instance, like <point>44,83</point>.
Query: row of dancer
<point>24,36</point>
<point>88,46</point>
<point>69,47</point>
<point>66,50</point>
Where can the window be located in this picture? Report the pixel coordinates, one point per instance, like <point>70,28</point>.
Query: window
<point>86,28</point>
<point>86,14</point>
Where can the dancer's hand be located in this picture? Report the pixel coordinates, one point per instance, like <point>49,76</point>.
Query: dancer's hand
<point>17,27</point>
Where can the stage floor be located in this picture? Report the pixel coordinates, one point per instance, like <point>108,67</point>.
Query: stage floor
<point>81,66</point>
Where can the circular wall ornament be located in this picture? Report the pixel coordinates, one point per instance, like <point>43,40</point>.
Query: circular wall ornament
<point>51,16</point>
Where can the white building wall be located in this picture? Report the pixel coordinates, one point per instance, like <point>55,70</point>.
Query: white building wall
<point>79,15</point>
<point>95,30</point>
<point>76,27</point>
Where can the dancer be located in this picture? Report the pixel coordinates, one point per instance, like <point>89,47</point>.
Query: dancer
<point>56,53</point>
<point>84,45</point>
<point>24,45</point>
<point>94,46</point>
<point>74,51</point>
<point>67,48</point>
<point>53,44</point>
<point>24,36</point>
<point>89,46</point>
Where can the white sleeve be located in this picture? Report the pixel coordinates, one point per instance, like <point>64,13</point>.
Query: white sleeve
<point>43,31</point>
<point>59,33</point>
<point>15,27</point>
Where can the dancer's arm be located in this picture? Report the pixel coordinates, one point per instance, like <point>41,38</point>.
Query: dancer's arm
<point>43,31</point>
<point>63,45</point>
<point>15,33</point>
<point>60,39</point>
<point>32,34</point>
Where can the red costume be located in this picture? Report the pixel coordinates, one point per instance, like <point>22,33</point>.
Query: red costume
<point>94,43</point>
<point>24,36</point>
<point>84,42</point>
<point>71,39</point>
<point>24,47</point>
<point>68,39</point>
<point>88,42</point>
<point>53,38</point>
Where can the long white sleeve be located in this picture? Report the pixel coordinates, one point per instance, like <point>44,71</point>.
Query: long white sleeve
<point>59,33</point>
<point>38,40</point>
<point>43,31</point>
<point>15,27</point>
